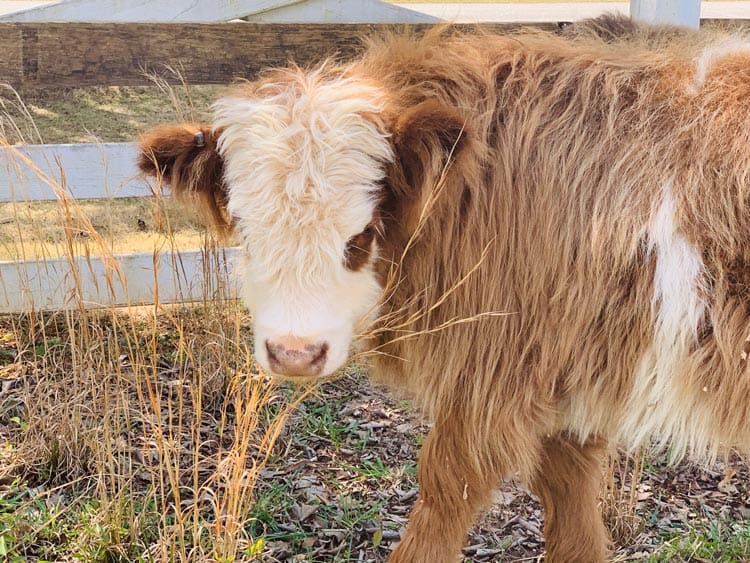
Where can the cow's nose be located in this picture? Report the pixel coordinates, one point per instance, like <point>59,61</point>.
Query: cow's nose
<point>296,357</point>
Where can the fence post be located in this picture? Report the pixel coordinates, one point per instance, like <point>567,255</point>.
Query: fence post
<point>678,12</point>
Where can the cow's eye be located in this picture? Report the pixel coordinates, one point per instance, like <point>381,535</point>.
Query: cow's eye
<point>358,249</point>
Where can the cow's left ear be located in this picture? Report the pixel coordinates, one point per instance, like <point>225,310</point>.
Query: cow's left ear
<point>186,158</point>
<point>427,138</point>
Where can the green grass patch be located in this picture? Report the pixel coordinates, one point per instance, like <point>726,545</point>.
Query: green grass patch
<point>715,541</point>
<point>320,421</point>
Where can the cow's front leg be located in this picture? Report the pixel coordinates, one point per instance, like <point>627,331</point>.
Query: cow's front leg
<point>457,475</point>
<point>568,483</point>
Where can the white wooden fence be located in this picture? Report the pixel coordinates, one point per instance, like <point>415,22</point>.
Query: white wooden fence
<point>92,171</point>
<point>33,173</point>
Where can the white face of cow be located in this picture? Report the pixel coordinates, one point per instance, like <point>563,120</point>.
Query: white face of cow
<point>303,158</point>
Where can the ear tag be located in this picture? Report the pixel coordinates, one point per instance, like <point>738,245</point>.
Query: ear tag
<point>199,140</point>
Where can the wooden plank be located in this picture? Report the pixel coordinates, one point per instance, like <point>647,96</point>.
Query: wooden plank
<point>91,170</point>
<point>39,55</point>
<point>119,54</point>
<point>11,63</point>
<point>135,279</point>
<point>144,10</point>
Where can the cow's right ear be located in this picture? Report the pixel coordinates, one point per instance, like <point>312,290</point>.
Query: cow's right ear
<point>429,142</point>
<point>428,138</point>
<point>186,158</point>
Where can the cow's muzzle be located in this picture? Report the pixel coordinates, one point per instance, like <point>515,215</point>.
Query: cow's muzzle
<point>296,357</point>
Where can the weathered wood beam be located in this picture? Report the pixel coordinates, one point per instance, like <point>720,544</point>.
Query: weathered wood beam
<point>44,55</point>
<point>54,55</point>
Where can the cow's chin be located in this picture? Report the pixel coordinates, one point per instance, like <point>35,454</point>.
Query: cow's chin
<point>305,379</point>
<point>299,379</point>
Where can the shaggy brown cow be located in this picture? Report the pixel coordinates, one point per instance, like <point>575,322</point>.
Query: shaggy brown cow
<point>542,239</point>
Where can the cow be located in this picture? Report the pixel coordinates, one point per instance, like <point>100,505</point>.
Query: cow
<point>540,238</point>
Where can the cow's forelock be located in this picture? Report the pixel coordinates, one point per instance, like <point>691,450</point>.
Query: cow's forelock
<point>304,157</point>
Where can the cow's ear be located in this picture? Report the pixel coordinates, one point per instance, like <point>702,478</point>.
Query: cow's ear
<point>186,158</point>
<point>427,138</point>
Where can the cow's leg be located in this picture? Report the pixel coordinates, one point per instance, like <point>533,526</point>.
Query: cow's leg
<point>568,483</point>
<point>458,473</point>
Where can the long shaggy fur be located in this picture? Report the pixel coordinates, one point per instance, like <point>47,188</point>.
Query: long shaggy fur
<point>562,243</point>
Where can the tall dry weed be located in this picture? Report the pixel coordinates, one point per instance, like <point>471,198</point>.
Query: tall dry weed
<point>621,496</point>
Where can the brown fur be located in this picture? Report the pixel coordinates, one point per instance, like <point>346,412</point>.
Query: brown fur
<point>358,249</point>
<point>568,482</point>
<point>614,28</point>
<point>528,168</point>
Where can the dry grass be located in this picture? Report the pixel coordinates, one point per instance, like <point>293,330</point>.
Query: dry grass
<point>41,229</point>
<point>98,114</point>
<point>622,496</point>
<point>161,422</point>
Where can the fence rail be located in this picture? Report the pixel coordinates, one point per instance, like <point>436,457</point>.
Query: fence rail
<point>146,10</point>
<point>129,279</point>
<point>54,55</point>
<point>95,171</point>
<point>85,171</point>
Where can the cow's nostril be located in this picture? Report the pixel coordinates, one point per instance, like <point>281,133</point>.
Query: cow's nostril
<point>320,358</point>
<point>272,350</point>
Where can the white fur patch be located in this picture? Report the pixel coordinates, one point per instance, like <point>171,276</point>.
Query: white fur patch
<point>713,53</point>
<point>658,407</point>
<point>303,160</point>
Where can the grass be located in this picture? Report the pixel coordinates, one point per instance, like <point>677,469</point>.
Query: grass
<point>142,444</point>
<point>321,422</point>
<point>714,541</point>
<point>98,114</point>
<point>621,497</point>
<point>38,230</point>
